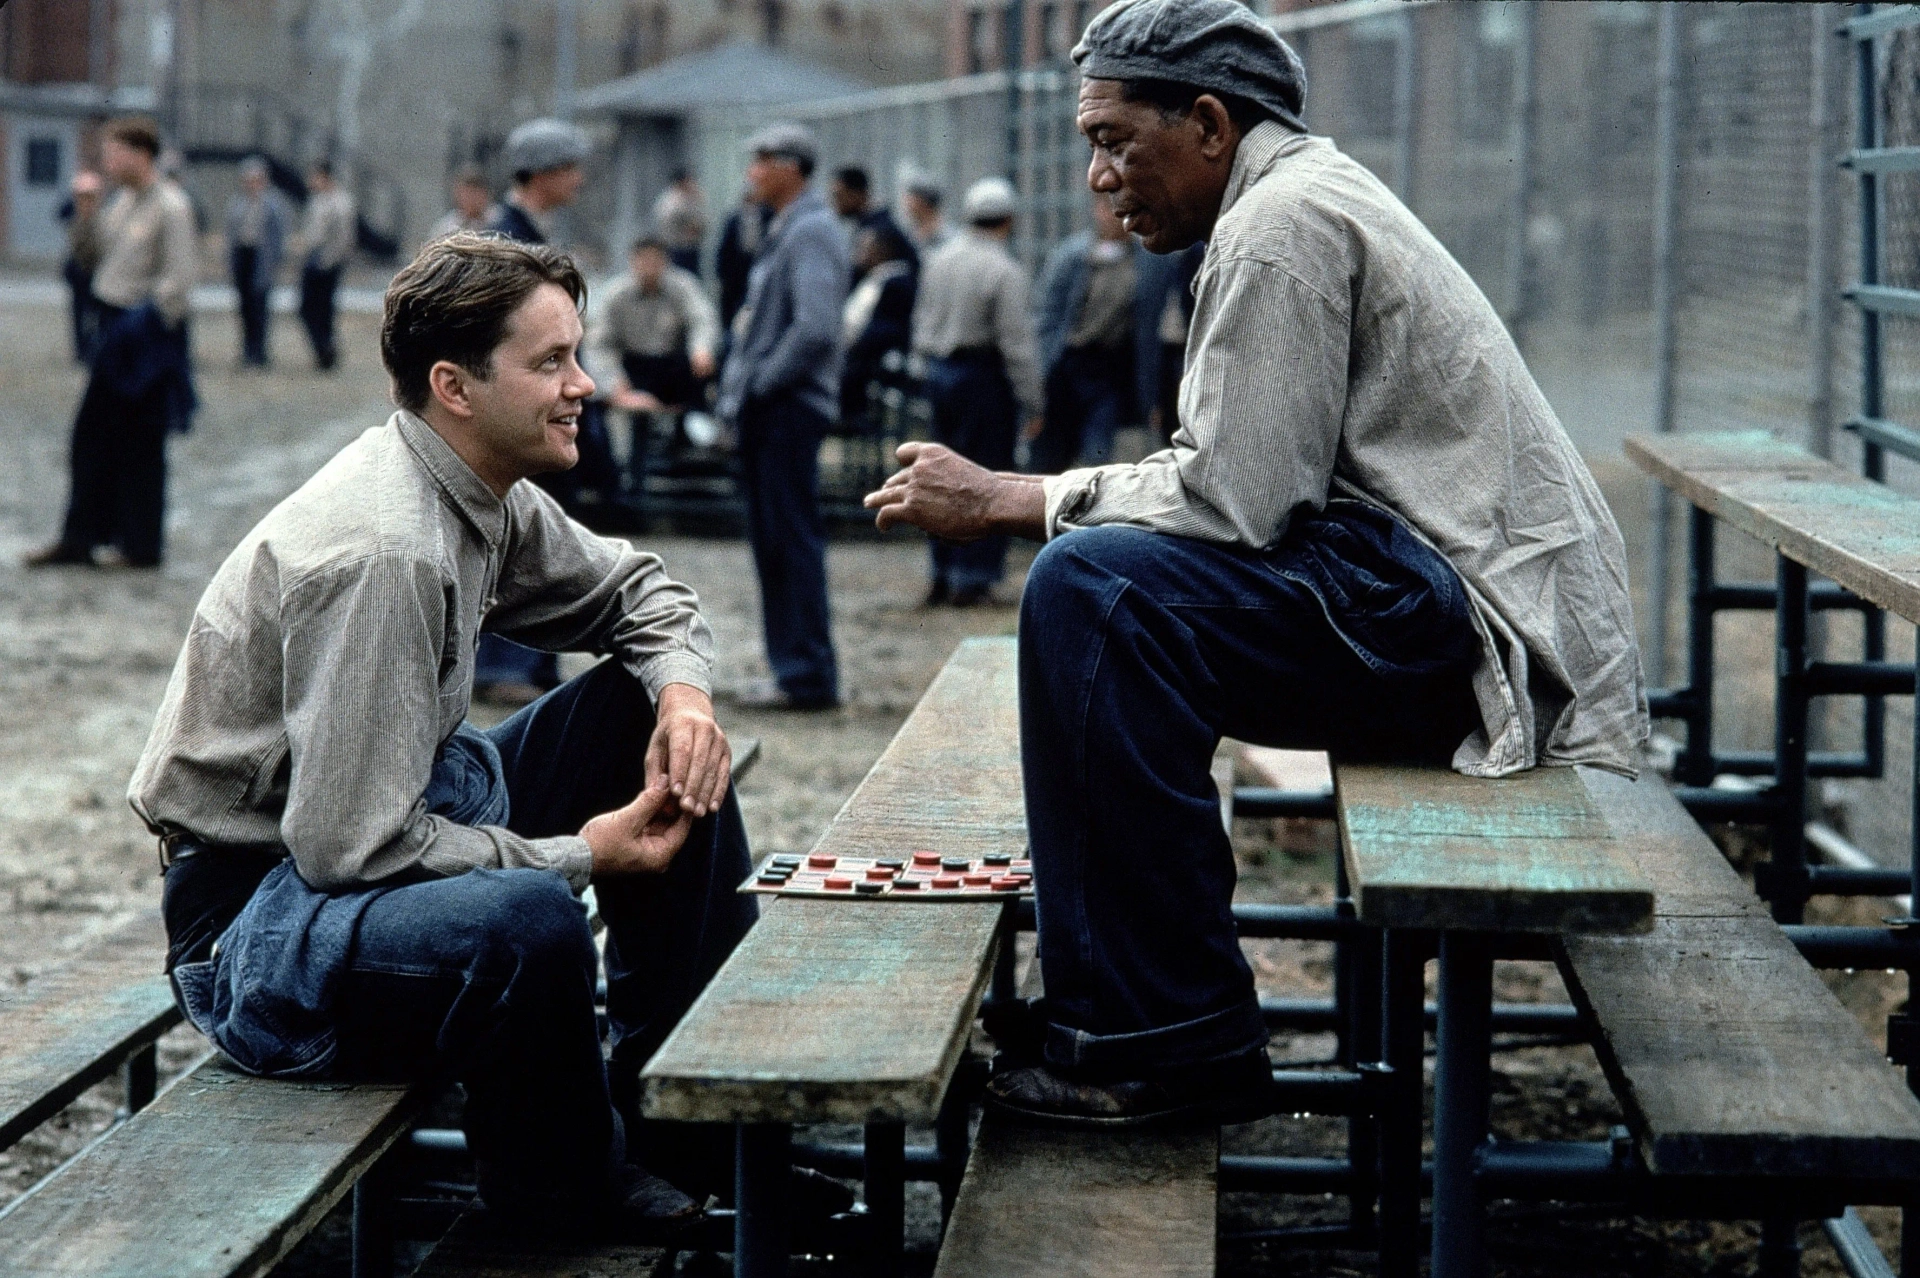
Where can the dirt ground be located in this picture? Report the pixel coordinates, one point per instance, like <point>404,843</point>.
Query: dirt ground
<point>84,656</point>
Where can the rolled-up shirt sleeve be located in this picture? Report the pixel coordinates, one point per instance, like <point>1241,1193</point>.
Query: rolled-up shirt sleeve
<point>1261,407</point>
<point>361,651</point>
<point>566,589</point>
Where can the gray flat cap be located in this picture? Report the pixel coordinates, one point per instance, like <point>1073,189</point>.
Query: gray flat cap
<point>988,200</point>
<point>1216,45</point>
<point>784,137</point>
<point>540,145</point>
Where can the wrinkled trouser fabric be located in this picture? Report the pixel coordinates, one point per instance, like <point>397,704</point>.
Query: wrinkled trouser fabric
<point>780,472</point>
<point>975,415</point>
<point>1138,652</point>
<point>489,975</point>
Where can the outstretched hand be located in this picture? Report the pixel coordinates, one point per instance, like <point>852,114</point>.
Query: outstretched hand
<point>940,492</point>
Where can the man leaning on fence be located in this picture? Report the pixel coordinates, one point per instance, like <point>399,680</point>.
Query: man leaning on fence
<point>1369,535</point>
<point>358,882</point>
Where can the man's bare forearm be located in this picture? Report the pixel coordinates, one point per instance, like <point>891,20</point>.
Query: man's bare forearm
<point>1019,507</point>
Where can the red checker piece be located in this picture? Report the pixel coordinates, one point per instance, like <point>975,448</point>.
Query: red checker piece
<point>880,875</point>
<point>838,882</point>
<point>978,880</point>
<point>1002,882</point>
<point>822,861</point>
<point>929,859</point>
<point>948,881</point>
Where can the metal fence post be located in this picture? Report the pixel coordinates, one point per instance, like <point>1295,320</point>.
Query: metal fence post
<point>1525,92</point>
<point>1666,212</point>
<point>1406,91</point>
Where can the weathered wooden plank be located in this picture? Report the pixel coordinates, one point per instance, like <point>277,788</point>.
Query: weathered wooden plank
<point>219,1177</point>
<point>852,1011</point>
<point>1429,848</point>
<point>1043,1201</point>
<point>1860,533</point>
<point>73,1024</point>
<point>476,1248</point>
<point>1729,1055</point>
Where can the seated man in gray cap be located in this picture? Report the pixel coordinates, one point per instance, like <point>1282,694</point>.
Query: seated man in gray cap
<point>1369,536</point>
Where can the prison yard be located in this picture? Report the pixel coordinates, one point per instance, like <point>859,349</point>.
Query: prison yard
<point>1562,1021</point>
<point>87,655</point>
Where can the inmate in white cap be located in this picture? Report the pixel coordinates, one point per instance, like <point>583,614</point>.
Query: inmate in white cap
<point>988,200</point>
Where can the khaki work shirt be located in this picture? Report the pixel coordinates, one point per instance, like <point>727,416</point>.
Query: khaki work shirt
<point>973,295</point>
<point>332,655</point>
<point>149,251</point>
<point>1335,342</point>
<point>674,318</point>
<point>328,231</point>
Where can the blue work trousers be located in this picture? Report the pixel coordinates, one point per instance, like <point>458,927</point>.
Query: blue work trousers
<point>1088,390</point>
<point>488,976</point>
<point>780,470</point>
<point>1138,652</point>
<point>974,414</point>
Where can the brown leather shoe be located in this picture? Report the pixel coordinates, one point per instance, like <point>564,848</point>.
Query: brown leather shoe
<point>1234,1091</point>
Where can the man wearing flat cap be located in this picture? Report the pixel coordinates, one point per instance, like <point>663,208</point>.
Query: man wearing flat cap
<point>547,158</point>
<point>1370,536</point>
<point>779,390</point>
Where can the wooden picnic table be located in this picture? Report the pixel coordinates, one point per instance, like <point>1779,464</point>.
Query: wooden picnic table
<point>1431,850</point>
<point>858,1011</point>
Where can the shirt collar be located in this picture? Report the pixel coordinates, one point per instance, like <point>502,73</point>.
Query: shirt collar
<point>467,491</point>
<point>1265,144</point>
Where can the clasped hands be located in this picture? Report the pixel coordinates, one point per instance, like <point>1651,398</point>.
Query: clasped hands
<point>940,492</point>
<point>689,766</point>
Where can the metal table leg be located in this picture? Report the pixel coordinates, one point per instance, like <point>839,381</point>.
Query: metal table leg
<point>1460,1101</point>
<point>762,1183</point>
<point>1403,1048</point>
<point>886,1171</point>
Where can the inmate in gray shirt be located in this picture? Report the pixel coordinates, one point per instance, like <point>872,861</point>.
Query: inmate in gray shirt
<point>1336,343</point>
<point>333,654</point>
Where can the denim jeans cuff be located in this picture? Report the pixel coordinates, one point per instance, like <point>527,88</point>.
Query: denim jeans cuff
<point>1221,1034</point>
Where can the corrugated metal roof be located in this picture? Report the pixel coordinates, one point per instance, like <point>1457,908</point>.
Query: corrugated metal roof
<point>736,74</point>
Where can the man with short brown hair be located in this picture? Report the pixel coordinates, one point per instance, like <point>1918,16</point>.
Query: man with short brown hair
<point>358,881</point>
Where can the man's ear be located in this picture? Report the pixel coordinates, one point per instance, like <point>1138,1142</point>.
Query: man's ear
<point>1217,132</point>
<point>448,384</point>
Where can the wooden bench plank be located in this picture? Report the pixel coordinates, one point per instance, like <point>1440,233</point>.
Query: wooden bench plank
<point>218,1178</point>
<point>474,1248</point>
<point>1862,534</point>
<point>72,1025</point>
<point>1042,1201</point>
<point>1429,848</point>
<point>857,1011</point>
<point>1727,1051</point>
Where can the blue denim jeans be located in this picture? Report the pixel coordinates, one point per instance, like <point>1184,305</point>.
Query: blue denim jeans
<point>1138,652</point>
<point>489,976</point>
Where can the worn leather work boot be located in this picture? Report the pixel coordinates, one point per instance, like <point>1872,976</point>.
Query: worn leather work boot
<point>1236,1090</point>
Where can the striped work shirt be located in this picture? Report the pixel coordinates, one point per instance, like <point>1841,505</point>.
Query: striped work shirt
<point>1336,343</point>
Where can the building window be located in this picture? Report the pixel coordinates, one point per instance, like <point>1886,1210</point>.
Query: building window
<point>43,161</point>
